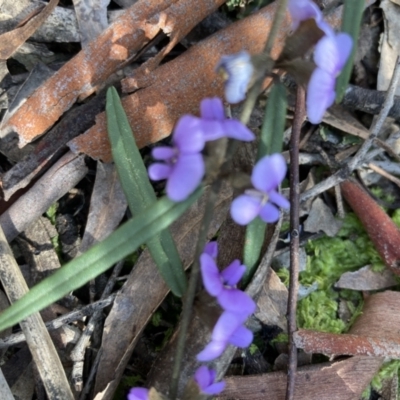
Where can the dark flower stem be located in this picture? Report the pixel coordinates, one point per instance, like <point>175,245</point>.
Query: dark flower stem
<point>193,283</point>
<point>294,235</point>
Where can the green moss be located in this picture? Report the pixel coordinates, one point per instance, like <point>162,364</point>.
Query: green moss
<point>319,311</point>
<point>387,371</point>
<point>281,338</point>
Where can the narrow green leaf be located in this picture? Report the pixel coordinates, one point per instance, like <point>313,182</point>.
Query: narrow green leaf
<point>140,193</point>
<point>270,142</point>
<point>274,122</point>
<point>351,22</point>
<point>98,259</point>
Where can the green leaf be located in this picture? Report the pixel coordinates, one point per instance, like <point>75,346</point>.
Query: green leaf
<point>351,22</point>
<point>98,259</point>
<point>274,122</point>
<point>139,192</point>
<point>270,142</point>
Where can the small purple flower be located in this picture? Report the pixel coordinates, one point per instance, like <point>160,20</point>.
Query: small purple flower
<point>330,56</point>
<point>205,379</point>
<point>301,10</point>
<point>238,70</point>
<point>183,164</point>
<point>222,285</point>
<point>138,393</point>
<point>229,329</point>
<point>214,125</point>
<point>267,175</point>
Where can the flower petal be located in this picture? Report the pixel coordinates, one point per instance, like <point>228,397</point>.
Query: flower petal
<point>278,199</point>
<point>212,130</point>
<point>212,109</point>
<point>211,248</point>
<point>320,95</point>
<point>239,69</point>
<point>326,55</point>
<point>227,323</point>
<point>185,176</point>
<point>188,136</point>
<point>234,129</point>
<point>236,301</point>
<point>269,172</point>
<point>138,393</point>
<point>269,213</point>
<point>242,337</point>
<point>215,388</point>
<point>164,153</point>
<point>245,208</point>
<point>344,42</point>
<point>210,274</point>
<point>202,377</point>
<point>233,273</point>
<point>213,350</point>
<point>158,171</point>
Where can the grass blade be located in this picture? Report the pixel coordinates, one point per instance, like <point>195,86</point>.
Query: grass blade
<point>139,192</point>
<point>98,259</point>
<point>351,23</point>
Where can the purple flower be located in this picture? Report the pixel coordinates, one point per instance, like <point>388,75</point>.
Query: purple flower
<point>238,70</point>
<point>205,379</point>
<point>330,56</point>
<point>267,175</point>
<point>227,330</point>
<point>301,10</point>
<point>222,285</point>
<point>183,164</point>
<point>214,125</point>
<point>138,393</point>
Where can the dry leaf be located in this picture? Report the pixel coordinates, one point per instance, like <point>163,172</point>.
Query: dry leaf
<point>82,75</point>
<point>367,279</point>
<point>383,232</point>
<point>343,380</point>
<point>11,41</point>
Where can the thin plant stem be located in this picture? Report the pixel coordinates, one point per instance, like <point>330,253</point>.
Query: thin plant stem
<point>256,88</point>
<point>294,238</point>
<point>192,286</point>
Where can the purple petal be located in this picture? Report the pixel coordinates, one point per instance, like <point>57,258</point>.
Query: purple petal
<point>320,95</point>
<point>212,109</point>
<point>278,199</point>
<point>344,42</point>
<point>202,377</point>
<point>236,301</point>
<point>211,248</point>
<point>164,153</point>
<point>210,274</point>
<point>245,208</point>
<point>138,394</point>
<point>158,171</point>
<point>233,273</point>
<point>212,130</point>
<point>239,69</point>
<point>236,130</point>
<point>242,337</point>
<point>188,135</point>
<point>185,176</point>
<point>213,350</point>
<point>326,55</point>
<point>227,323</point>
<point>215,388</point>
<point>269,213</point>
<point>269,172</point>
<point>301,10</point>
